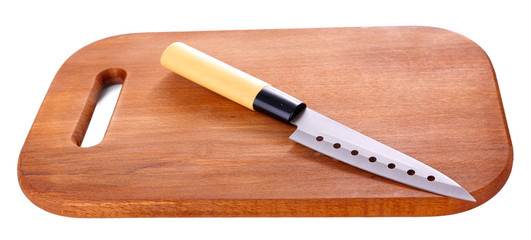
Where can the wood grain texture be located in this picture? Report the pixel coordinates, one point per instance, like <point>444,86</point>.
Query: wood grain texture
<point>174,148</point>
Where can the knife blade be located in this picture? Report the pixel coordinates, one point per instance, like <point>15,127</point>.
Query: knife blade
<point>314,130</point>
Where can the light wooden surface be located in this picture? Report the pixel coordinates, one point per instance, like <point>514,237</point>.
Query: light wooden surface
<point>174,148</point>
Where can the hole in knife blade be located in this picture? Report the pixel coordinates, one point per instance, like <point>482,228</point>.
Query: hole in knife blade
<point>431,178</point>
<point>391,165</point>
<point>337,145</point>
<point>410,172</point>
<point>354,152</point>
<point>319,138</point>
<point>372,159</point>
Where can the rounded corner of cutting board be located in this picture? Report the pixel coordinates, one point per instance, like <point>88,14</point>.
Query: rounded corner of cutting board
<point>39,198</point>
<point>449,31</point>
<point>83,52</point>
<point>492,188</point>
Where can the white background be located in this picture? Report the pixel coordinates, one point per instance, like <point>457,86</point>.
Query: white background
<point>38,36</point>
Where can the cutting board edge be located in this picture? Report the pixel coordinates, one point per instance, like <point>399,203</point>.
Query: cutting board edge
<point>332,207</point>
<point>360,207</point>
<point>491,189</point>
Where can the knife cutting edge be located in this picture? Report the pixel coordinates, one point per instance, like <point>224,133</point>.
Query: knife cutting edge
<point>313,129</point>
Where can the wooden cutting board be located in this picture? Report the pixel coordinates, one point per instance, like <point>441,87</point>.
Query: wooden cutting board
<point>174,148</point>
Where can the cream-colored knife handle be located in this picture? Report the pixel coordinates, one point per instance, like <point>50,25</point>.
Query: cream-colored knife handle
<point>230,82</point>
<point>212,74</point>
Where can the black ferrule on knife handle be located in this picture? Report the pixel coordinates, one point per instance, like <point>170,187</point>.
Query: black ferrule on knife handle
<point>277,104</point>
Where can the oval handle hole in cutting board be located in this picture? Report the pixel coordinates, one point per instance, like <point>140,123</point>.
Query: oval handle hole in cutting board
<point>99,108</point>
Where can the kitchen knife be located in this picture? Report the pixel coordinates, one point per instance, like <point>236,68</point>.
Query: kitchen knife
<point>313,129</point>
